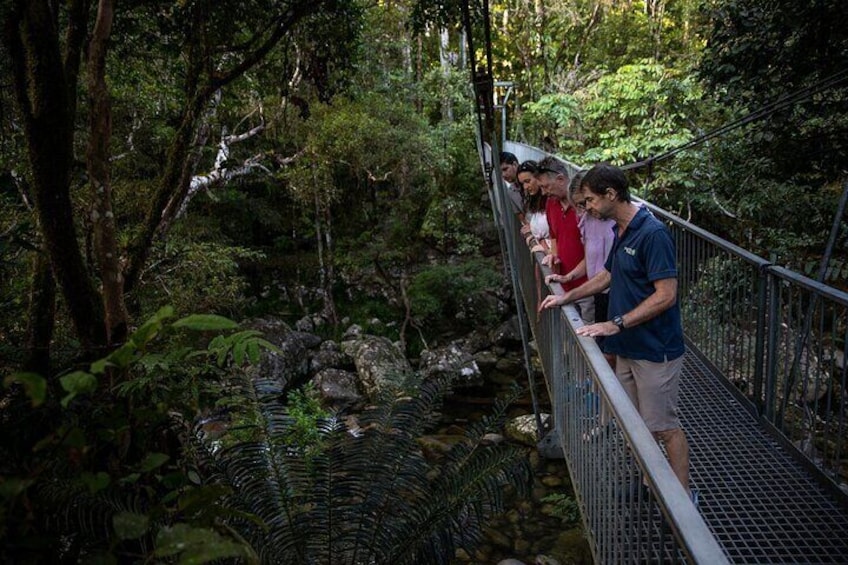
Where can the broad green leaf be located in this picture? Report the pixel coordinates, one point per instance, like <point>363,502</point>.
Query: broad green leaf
<point>99,366</point>
<point>129,525</point>
<point>253,351</point>
<point>194,477</point>
<point>206,322</point>
<point>195,545</point>
<point>11,487</point>
<point>238,352</point>
<point>153,461</point>
<point>35,386</point>
<point>163,313</point>
<point>122,356</point>
<point>199,498</point>
<point>95,482</point>
<point>132,478</point>
<point>78,382</point>
<point>151,328</point>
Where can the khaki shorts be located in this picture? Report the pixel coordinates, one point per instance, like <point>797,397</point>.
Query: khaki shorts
<point>653,388</point>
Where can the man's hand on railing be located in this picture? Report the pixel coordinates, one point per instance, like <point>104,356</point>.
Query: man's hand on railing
<point>550,260</point>
<point>559,278</point>
<point>598,330</point>
<point>553,301</point>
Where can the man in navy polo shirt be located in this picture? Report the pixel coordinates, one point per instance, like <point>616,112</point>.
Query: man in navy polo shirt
<point>644,331</point>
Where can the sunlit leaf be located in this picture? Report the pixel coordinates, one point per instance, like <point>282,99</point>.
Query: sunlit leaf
<point>206,322</point>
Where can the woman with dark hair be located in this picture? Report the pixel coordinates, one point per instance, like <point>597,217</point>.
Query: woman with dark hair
<point>536,226</point>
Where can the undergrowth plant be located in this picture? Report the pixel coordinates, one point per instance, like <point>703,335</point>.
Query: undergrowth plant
<point>112,463</point>
<point>98,470</point>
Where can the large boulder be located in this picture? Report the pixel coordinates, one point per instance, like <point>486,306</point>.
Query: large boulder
<point>379,363</point>
<point>330,356</point>
<point>280,371</point>
<point>338,388</point>
<point>453,362</point>
<point>507,334</point>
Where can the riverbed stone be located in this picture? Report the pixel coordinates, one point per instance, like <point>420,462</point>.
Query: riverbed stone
<point>523,428</point>
<point>507,334</point>
<point>330,355</point>
<point>380,365</point>
<point>453,362</point>
<point>338,388</point>
<point>571,547</point>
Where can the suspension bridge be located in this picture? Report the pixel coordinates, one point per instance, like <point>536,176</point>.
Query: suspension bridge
<point>762,401</point>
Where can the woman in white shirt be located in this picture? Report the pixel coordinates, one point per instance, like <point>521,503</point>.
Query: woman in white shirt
<point>536,222</point>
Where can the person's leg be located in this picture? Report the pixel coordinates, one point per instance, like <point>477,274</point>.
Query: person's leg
<point>657,390</point>
<point>624,372</point>
<point>678,454</point>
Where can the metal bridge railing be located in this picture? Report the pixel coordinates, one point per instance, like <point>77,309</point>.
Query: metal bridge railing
<point>634,509</point>
<point>776,336</point>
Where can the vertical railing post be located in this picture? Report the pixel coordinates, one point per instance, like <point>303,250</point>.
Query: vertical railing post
<point>760,346</point>
<point>771,353</point>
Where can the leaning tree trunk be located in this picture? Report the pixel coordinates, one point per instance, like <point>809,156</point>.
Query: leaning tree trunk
<point>103,218</point>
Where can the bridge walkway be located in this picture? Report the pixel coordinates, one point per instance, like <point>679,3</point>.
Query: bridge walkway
<point>761,503</point>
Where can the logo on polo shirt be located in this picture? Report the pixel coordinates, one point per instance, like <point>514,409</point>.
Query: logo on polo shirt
<point>630,250</point>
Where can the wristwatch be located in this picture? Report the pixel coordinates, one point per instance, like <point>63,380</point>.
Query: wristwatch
<point>618,321</point>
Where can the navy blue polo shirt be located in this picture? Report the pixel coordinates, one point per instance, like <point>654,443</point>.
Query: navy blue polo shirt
<point>644,254</point>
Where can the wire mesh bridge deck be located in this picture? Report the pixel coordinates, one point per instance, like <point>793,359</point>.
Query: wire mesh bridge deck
<point>762,400</point>
<point>762,505</point>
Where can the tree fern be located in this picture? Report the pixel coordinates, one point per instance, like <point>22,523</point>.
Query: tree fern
<point>365,496</point>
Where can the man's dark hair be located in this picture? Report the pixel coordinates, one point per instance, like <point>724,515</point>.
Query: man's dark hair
<point>507,157</point>
<point>604,176</point>
<point>528,166</point>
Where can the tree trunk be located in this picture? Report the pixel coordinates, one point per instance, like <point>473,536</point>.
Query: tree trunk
<point>46,105</point>
<point>103,218</point>
<point>325,254</point>
<point>445,62</point>
<point>41,316</point>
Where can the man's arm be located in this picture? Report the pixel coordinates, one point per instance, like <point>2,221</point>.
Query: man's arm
<point>551,259</point>
<point>663,298</point>
<point>591,287</point>
<point>575,273</point>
